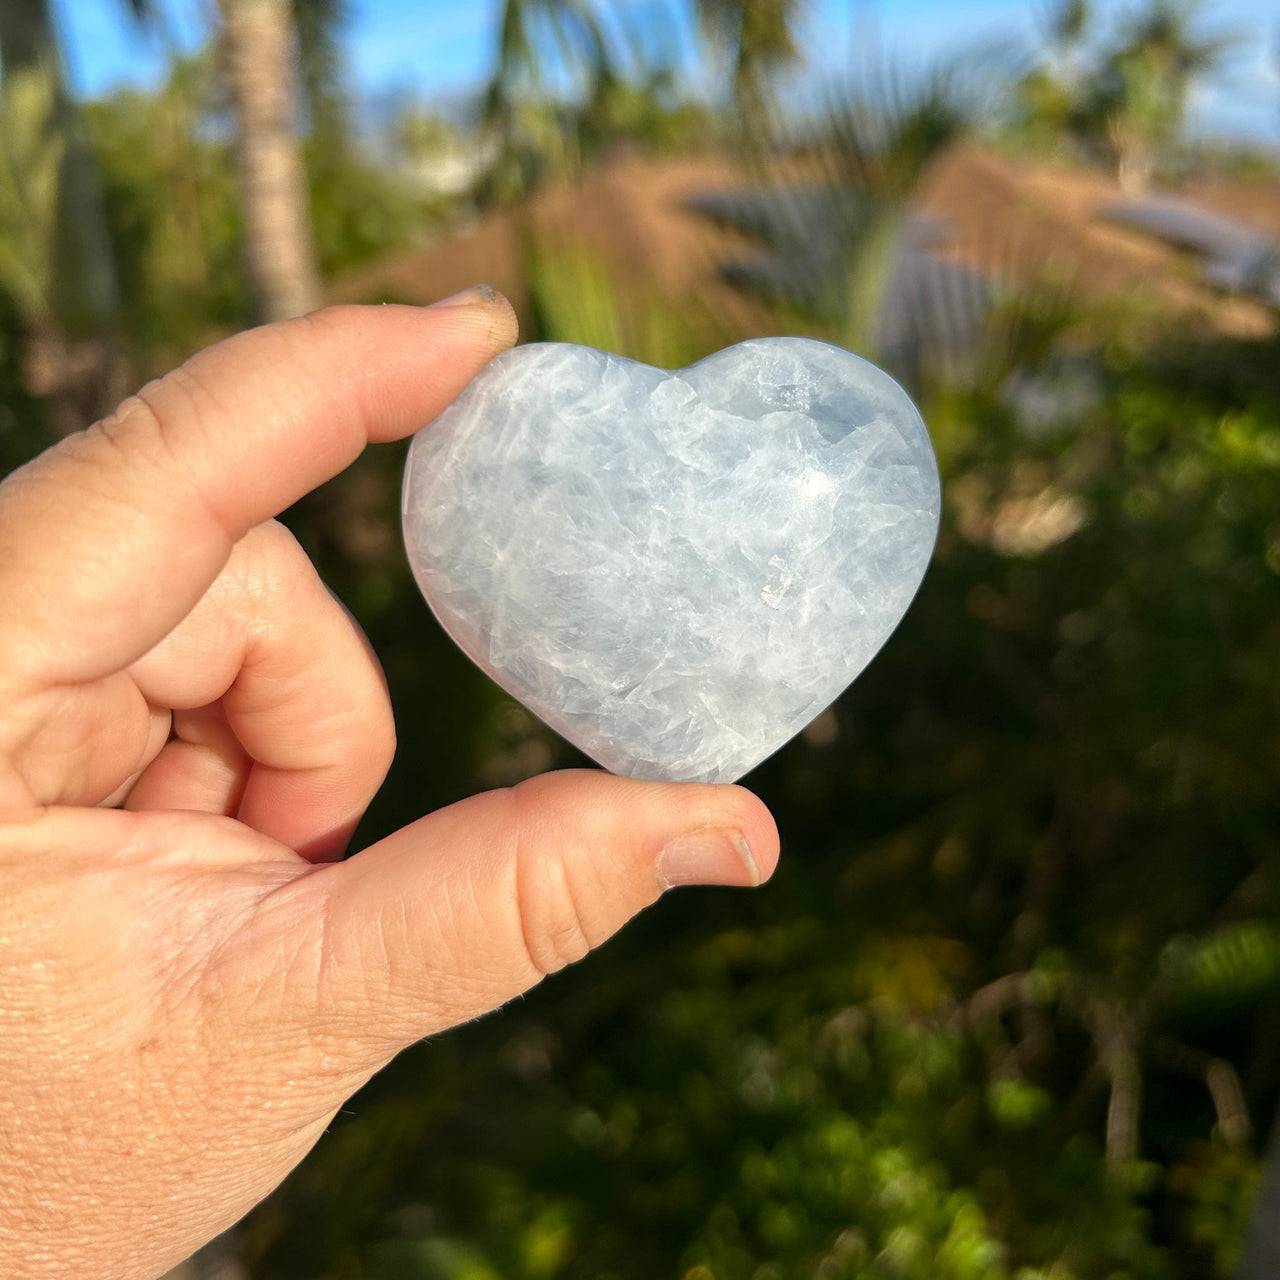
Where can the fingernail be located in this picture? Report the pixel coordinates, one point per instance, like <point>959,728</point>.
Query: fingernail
<point>469,297</point>
<point>708,857</point>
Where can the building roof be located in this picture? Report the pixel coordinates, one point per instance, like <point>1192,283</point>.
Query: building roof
<point>659,227</point>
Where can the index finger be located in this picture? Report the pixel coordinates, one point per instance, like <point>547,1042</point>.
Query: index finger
<point>108,539</point>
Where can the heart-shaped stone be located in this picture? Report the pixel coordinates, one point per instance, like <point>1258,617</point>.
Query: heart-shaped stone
<point>675,570</point>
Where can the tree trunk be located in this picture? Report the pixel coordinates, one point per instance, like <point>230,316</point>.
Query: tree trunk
<point>258,39</point>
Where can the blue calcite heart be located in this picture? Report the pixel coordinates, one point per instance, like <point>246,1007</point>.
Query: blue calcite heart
<point>675,570</point>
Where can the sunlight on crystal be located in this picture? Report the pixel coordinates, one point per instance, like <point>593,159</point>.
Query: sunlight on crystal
<point>815,484</point>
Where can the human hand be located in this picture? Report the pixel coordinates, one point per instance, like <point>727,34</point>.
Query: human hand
<point>190,728</point>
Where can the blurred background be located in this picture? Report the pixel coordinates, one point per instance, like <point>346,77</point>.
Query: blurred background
<point>1011,1008</point>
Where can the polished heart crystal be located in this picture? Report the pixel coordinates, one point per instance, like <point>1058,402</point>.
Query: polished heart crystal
<point>677,571</point>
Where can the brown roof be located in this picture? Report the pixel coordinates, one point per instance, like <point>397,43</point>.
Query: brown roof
<point>1012,217</point>
<point>630,212</point>
<point>1017,217</point>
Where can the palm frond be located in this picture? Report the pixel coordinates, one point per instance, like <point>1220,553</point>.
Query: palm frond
<point>883,132</point>
<point>52,204</point>
<point>26,35</point>
<point>1066,21</point>
<point>760,38</point>
<point>1169,29</point>
<point>528,31</point>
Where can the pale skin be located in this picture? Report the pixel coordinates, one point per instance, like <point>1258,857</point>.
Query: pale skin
<point>191,983</point>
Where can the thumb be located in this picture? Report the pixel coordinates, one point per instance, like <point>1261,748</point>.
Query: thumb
<point>474,904</point>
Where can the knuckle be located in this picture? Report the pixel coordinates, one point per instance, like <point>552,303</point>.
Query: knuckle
<point>143,431</point>
<point>558,921</point>
<point>133,416</point>
<point>188,413</point>
<point>133,435</point>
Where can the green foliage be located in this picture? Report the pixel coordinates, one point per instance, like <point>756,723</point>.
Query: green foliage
<point>646,112</point>
<point>170,195</point>
<point>1235,965</point>
<point>1216,1188</point>
<point>362,209</point>
<point>1030,879</point>
<point>24,430</point>
<point>572,30</point>
<point>318,24</point>
<point>562,93</point>
<point>573,298</point>
<point>536,126</point>
<point>871,147</point>
<point>1068,22</point>
<point>363,205</point>
<point>172,210</point>
<point>54,257</point>
<point>759,38</point>
<point>1125,97</point>
<point>883,131</point>
<point>1015,1104</point>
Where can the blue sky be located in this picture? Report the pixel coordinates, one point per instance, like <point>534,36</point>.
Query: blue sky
<point>442,48</point>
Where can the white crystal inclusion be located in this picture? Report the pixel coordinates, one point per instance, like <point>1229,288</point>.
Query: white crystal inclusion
<point>675,570</point>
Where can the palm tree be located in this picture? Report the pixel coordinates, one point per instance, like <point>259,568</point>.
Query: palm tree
<point>879,137</point>
<point>258,38</point>
<point>525,24</point>
<point>1048,98</point>
<point>1066,22</point>
<point>58,265</point>
<point>532,130</point>
<point>760,36</point>
<point>50,206</point>
<point>1146,80</point>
